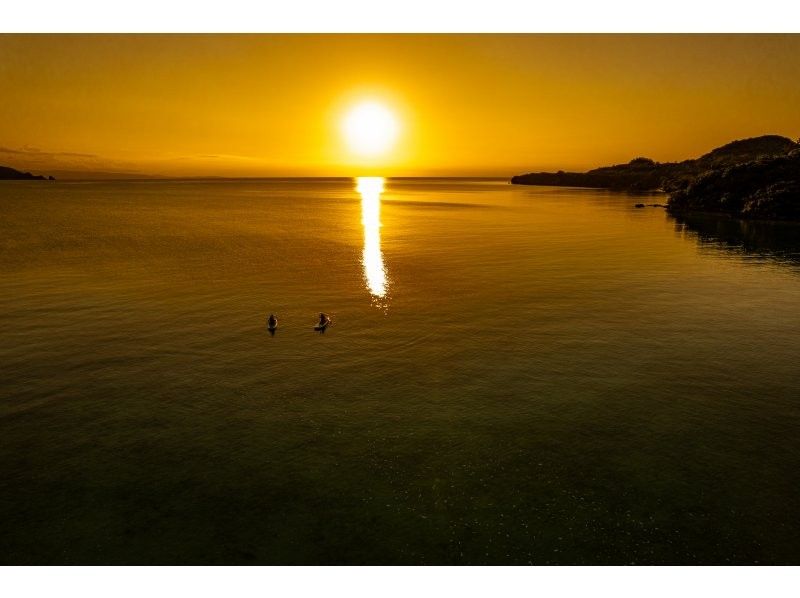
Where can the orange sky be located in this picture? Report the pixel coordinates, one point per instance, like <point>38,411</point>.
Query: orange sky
<point>270,105</point>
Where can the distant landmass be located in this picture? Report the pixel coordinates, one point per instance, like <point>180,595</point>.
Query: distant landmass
<point>750,178</point>
<point>10,174</point>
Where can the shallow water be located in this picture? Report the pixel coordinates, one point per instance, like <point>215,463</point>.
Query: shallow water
<point>513,375</point>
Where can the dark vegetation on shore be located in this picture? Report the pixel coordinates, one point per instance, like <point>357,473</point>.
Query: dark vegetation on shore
<point>750,178</point>
<point>10,174</point>
<point>764,189</point>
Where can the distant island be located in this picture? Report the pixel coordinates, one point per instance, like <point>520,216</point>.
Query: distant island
<point>10,174</point>
<point>756,178</point>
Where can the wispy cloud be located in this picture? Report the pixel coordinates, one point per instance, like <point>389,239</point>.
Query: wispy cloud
<point>45,161</point>
<point>226,157</point>
<point>39,153</point>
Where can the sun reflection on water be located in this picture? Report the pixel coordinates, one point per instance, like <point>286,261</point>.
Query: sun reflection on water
<point>370,189</point>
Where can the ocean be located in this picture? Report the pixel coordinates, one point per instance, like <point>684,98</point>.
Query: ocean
<point>513,375</point>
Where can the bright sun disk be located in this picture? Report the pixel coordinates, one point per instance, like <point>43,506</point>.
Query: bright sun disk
<point>369,128</point>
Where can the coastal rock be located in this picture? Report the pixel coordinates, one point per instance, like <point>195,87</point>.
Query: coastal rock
<point>767,189</point>
<point>644,174</point>
<point>10,174</point>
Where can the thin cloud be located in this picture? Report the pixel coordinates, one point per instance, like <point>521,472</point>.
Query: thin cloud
<point>35,151</point>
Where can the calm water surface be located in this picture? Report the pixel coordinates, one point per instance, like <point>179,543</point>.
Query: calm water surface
<point>513,375</point>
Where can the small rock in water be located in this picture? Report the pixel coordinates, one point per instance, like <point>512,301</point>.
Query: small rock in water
<point>639,205</point>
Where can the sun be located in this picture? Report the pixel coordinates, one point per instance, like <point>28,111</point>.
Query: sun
<point>370,129</point>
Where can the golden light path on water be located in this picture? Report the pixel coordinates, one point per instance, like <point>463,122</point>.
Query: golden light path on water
<point>370,189</point>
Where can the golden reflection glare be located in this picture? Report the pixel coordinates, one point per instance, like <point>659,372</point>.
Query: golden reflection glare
<point>370,189</point>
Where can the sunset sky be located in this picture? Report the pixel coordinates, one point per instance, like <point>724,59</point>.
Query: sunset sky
<point>274,105</point>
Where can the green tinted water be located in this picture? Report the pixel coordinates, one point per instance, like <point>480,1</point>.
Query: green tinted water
<point>514,375</point>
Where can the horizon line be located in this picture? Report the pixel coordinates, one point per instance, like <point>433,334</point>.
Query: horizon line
<point>239,178</point>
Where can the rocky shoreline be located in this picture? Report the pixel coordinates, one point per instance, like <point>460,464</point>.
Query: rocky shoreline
<point>757,178</point>
<point>763,189</point>
<point>11,174</point>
